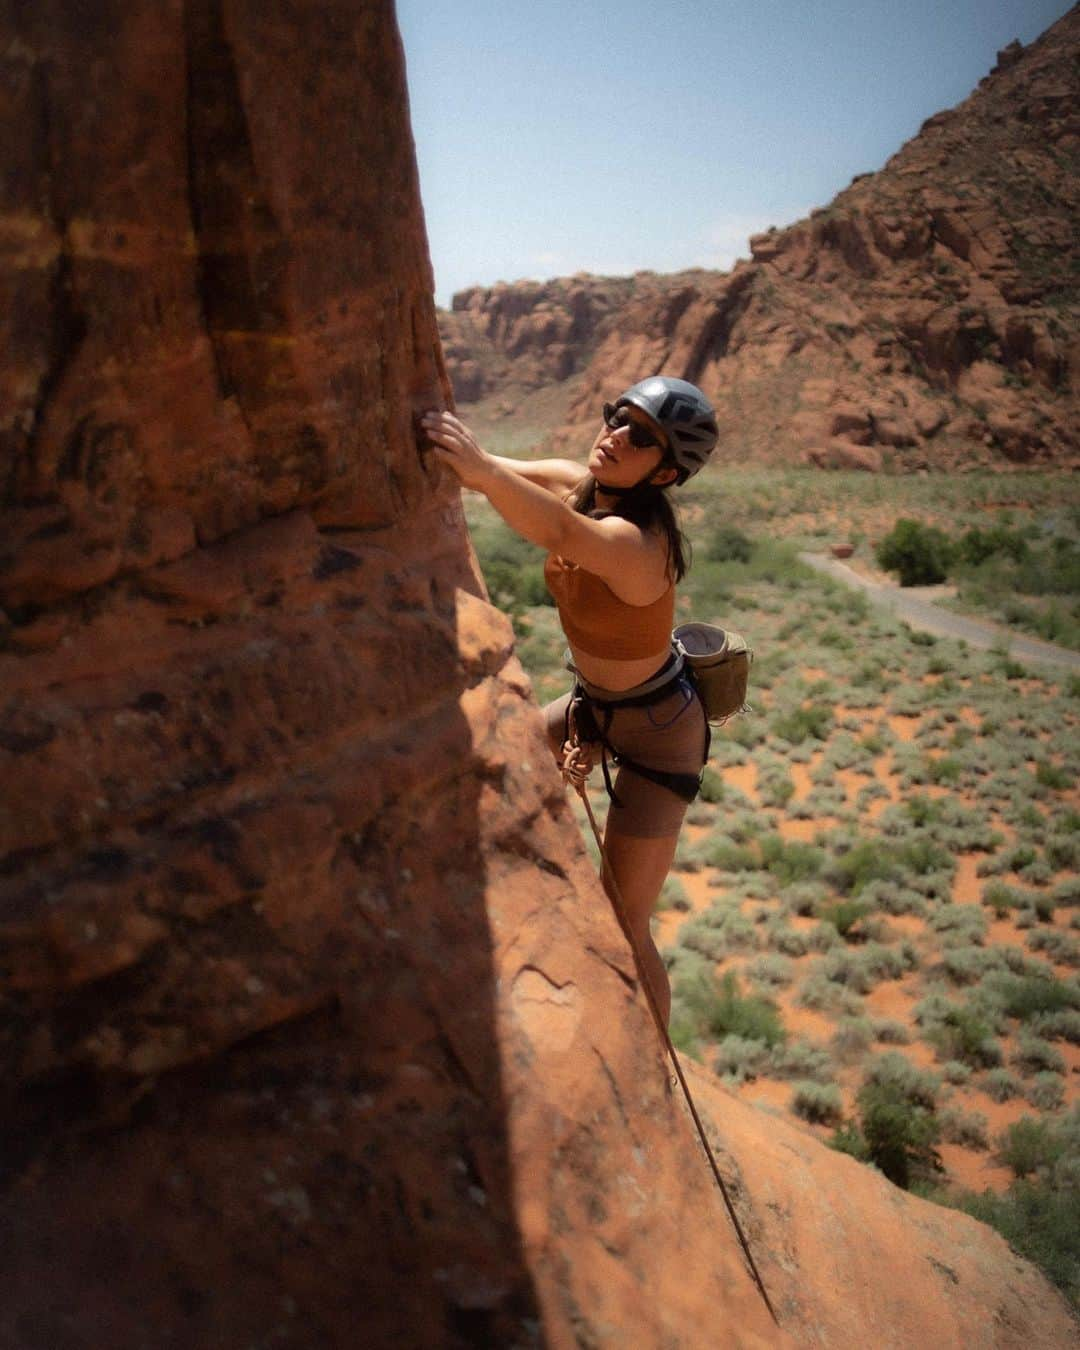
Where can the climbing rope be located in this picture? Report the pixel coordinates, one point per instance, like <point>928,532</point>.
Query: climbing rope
<point>575,776</point>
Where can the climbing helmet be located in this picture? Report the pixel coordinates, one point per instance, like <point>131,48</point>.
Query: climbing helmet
<point>683,413</point>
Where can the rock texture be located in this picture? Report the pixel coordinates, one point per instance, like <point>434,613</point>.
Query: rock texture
<point>317,1029</point>
<point>927,317</point>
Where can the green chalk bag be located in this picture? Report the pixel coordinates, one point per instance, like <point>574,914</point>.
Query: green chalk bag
<point>718,661</point>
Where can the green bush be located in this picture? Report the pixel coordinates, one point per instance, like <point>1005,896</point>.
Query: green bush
<point>967,1128</point>
<point>899,1133</point>
<point>1001,1085</point>
<point>801,1059</point>
<point>812,722</point>
<point>1028,1144</point>
<point>1034,1055</point>
<point>920,554</point>
<point>962,1034</point>
<point>819,1103</point>
<point>790,862</point>
<point>1046,1091</point>
<point>1038,1220</point>
<point>727,543</point>
<point>714,1009</point>
<point>844,916</point>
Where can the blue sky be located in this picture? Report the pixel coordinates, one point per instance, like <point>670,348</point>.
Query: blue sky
<point>557,137</point>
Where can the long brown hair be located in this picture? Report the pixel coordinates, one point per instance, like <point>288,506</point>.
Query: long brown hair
<point>646,506</point>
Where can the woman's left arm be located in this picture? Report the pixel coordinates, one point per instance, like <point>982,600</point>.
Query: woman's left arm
<point>611,547</point>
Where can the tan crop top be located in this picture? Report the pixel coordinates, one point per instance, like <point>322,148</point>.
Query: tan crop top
<point>597,622</point>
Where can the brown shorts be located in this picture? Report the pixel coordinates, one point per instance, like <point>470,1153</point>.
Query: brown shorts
<point>669,736</point>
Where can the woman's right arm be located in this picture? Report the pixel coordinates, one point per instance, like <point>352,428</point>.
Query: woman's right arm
<point>556,475</point>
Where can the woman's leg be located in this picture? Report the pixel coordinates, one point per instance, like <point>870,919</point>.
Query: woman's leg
<point>640,867</point>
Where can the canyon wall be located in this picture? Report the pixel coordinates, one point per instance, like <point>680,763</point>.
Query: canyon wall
<point>316,1026</point>
<point>926,317</point>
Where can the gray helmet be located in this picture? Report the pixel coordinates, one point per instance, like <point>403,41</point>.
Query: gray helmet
<point>685,415</point>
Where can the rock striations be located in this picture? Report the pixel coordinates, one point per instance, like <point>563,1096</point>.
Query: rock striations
<point>317,1030</point>
<point>927,317</point>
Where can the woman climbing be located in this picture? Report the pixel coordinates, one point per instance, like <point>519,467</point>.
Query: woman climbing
<point>615,553</point>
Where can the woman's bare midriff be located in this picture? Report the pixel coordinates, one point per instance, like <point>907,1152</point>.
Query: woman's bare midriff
<point>618,675</point>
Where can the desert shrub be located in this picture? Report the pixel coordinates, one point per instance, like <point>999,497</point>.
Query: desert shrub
<point>1034,1055</point>
<point>962,1034</point>
<point>1001,1085</point>
<point>897,1120</point>
<point>997,895</point>
<point>968,1128</point>
<point>821,994</point>
<point>1023,996</point>
<point>959,924</point>
<point>804,897</point>
<point>726,855</point>
<point>740,1058</point>
<point>920,554</point>
<point>673,896</point>
<point>853,1037</point>
<point>1067,893</point>
<point>770,969</point>
<point>788,941</point>
<point>716,1008</point>
<point>894,898</point>
<point>870,792</point>
<point>969,965</point>
<point>845,916</point>
<point>727,543</point>
<point>1046,1091</point>
<point>776,788</point>
<point>1063,1025</point>
<point>1063,850</point>
<point>800,724</point>
<point>956,1073</point>
<point>801,1059</point>
<point>1052,776</point>
<point>867,861</point>
<point>890,1032</point>
<point>819,1103</point>
<point>718,932</point>
<point>1059,947</point>
<point>790,862</point>
<point>712,785</point>
<point>1029,1144</point>
<point>894,1069</point>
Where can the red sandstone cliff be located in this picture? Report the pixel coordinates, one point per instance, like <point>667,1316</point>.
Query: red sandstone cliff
<point>316,1028</point>
<point>927,316</point>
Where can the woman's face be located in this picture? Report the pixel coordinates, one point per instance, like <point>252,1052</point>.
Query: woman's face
<point>614,461</point>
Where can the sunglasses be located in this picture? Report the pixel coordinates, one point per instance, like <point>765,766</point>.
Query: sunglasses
<point>640,435</point>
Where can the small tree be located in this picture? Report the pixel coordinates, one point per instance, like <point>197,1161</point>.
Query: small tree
<point>921,554</point>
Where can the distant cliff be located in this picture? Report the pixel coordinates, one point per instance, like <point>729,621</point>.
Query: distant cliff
<point>927,316</point>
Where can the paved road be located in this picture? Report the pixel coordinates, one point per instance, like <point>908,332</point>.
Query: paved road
<point>915,609</point>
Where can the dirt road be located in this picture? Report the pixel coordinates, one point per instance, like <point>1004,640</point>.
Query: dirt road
<point>913,606</point>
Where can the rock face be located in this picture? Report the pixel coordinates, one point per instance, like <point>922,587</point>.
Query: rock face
<point>926,317</point>
<point>317,1029</point>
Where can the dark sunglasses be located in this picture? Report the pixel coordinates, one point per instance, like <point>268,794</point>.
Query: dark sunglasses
<point>640,435</point>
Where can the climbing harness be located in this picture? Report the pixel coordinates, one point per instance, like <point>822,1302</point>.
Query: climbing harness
<point>591,709</point>
<point>576,776</point>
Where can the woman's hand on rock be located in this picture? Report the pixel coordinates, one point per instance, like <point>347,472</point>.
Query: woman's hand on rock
<point>456,447</point>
